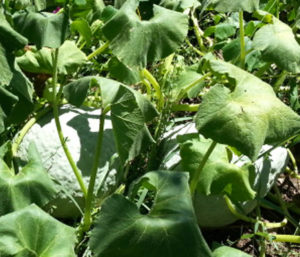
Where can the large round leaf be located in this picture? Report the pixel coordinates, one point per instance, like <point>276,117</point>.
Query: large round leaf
<point>169,230</point>
<point>32,232</point>
<point>246,117</point>
<point>278,44</point>
<point>137,43</point>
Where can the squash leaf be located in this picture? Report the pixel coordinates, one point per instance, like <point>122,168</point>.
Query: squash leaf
<point>42,29</point>
<point>248,116</point>
<point>130,111</point>
<point>168,230</point>
<point>10,40</point>
<point>151,39</point>
<point>278,44</point>
<point>33,232</point>
<point>40,61</point>
<point>15,89</point>
<point>235,5</point>
<point>31,185</point>
<point>218,176</point>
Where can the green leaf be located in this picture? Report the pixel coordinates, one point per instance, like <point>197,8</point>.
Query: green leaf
<point>218,176</point>
<point>248,116</point>
<point>42,29</point>
<point>235,5</point>
<point>151,39</point>
<point>122,73</point>
<point>130,111</point>
<point>83,28</point>
<point>40,61</point>
<point>187,82</point>
<point>224,31</point>
<point>31,185</point>
<point>169,230</point>
<point>278,44</point>
<point>226,251</point>
<point>10,40</point>
<point>33,232</point>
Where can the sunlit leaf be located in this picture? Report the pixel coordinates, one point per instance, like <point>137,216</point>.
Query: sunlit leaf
<point>248,116</point>
<point>151,39</point>
<point>278,44</point>
<point>218,176</point>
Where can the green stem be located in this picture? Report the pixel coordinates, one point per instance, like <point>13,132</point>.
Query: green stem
<point>284,207</point>
<point>25,129</point>
<point>191,85</point>
<point>197,51</point>
<point>98,51</point>
<point>293,160</point>
<point>142,197</point>
<point>148,87</point>
<point>196,177</point>
<point>198,32</point>
<point>287,239</point>
<point>156,86</point>
<point>242,39</point>
<point>185,107</point>
<point>262,70</point>
<point>59,129</point>
<point>87,220</point>
<point>243,217</point>
<point>280,81</point>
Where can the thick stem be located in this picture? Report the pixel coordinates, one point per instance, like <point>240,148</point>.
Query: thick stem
<point>242,40</point>
<point>59,129</point>
<point>196,177</point>
<point>98,51</point>
<point>87,220</point>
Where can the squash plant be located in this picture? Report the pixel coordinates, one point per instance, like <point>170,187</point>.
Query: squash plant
<point>89,91</point>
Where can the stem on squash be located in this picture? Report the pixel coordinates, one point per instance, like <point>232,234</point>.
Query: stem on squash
<point>98,51</point>
<point>242,40</point>
<point>243,217</point>
<point>195,178</point>
<point>87,220</point>
<point>59,129</point>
